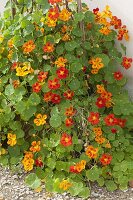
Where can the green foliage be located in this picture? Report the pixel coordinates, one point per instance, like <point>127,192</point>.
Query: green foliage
<point>33,181</point>
<point>64,113</point>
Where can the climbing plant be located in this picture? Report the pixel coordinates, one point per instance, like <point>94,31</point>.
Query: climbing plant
<point>65,116</point>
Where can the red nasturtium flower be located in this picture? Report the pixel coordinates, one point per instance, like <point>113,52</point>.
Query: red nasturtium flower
<point>38,162</point>
<point>66,140</point>
<point>118,76</point>
<point>14,65</point>
<point>48,47</point>
<point>73,169</point>
<point>95,10</point>
<point>35,146</point>
<point>69,122</point>
<point>68,94</point>
<point>42,76</point>
<point>53,13</point>
<point>36,87</point>
<point>84,68</point>
<point>47,96</point>
<point>114,130</point>
<point>116,22</point>
<point>62,73</point>
<point>100,103</point>
<point>110,120</point>
<point>123,32</point>
<point>54,1</point>
<point>93,118</point>
<point>121,122</point>
<point>126,63</point>
<point>106,159</point>
<point>55,98</point>
<point>54,84</point>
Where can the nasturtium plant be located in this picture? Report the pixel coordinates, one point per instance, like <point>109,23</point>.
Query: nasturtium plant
<point>65,115</point>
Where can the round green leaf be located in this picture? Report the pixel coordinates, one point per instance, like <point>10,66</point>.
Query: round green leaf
<point>55,121</point>
<point>76,67</point>
<point>9,90</point>
<point>34,99</point>
<point>74,84</point>
<point>33,181</point>
<point>70,46</point>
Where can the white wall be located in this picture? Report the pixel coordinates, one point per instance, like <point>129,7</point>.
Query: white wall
<point>122,9</point>
<point>2,3</point>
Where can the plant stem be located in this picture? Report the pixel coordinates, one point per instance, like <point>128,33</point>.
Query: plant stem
<point>13,10</point>
<point>81,24</point>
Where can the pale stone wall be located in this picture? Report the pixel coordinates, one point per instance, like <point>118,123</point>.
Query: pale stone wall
<point>2,4</point>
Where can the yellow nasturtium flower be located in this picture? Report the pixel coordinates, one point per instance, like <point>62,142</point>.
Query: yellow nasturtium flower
<point>28,161</point>
<point>1,38</point>
<point>12,140</point>
<point>65,185</point>
<point>40,119</point>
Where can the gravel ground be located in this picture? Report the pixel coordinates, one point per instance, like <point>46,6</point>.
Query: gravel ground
<point>12,187</point>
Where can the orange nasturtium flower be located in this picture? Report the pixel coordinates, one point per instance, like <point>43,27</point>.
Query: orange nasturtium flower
<point>28,161</point>
<point>10,54</point>
<point>70,111</point>
<point>68,94</point>
<point>97,131</point>
<point>10,43</point>
<point>61,62</point>
<point>65,15</point>
<point>108,145</point>
<point>106,95</point>
<point>78,167</point>
<point>91,152</point>
<point>11,139</point>
<point>100,89</point>
<point>64,29</point>
<point>35,146</point>
<point>42,76</point>
<point>40,119</point>
<point>47,96</point>
<point>51,22</point>
<point>16,83</point>
<point>28,46</point>
<point>48,47</point>
<point>105,30</point>
<point>65,37</point>
<point>100,140</point>
<point>65,184</point>
<point>96,63</point>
